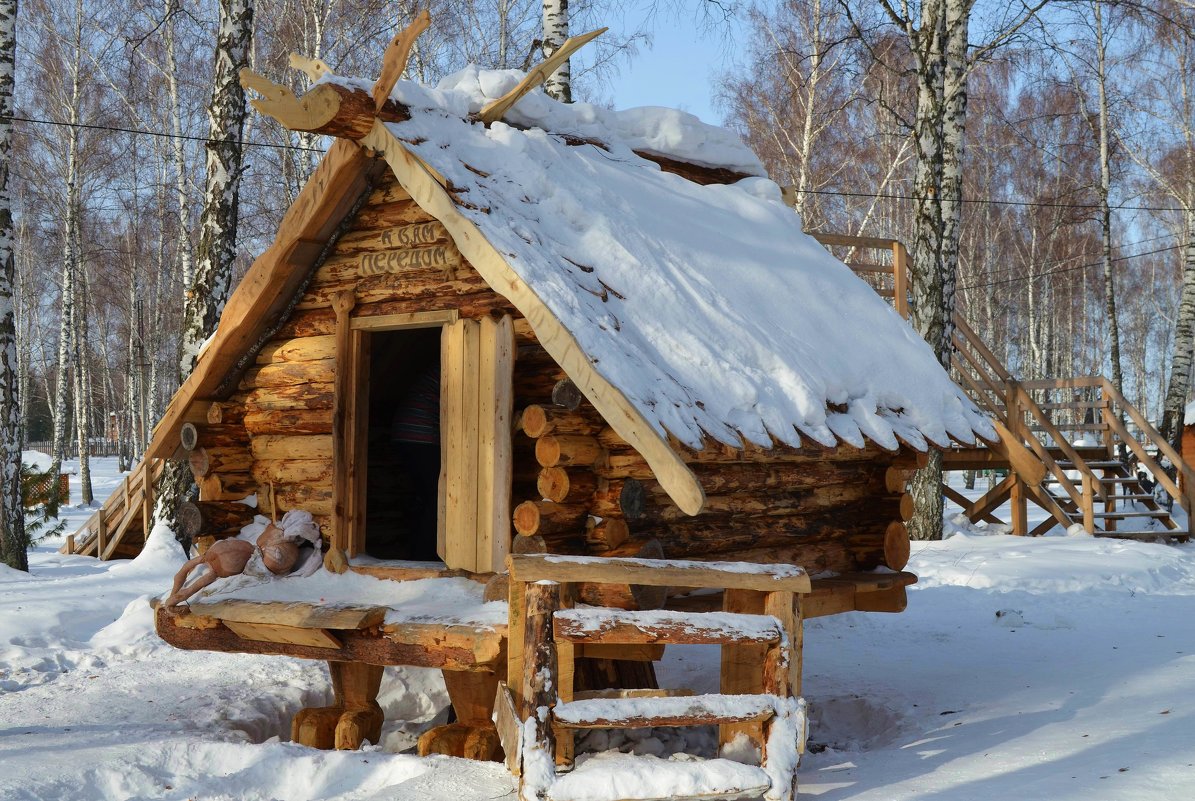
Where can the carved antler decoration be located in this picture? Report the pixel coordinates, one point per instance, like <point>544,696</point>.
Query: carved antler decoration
<point>313,68</point>
<point>495,109</point>
<point>394,60</point>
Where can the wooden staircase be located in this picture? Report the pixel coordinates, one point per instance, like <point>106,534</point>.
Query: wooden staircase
<point>119,528</point>
<point>757,711</point>
<point>1072,446</point>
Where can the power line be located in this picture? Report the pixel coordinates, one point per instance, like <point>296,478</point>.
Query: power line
<point>1061,270</point>
<point>160,134</point>
<point>1068,259</point>
<point>881,195</point>
<point>989,201</point>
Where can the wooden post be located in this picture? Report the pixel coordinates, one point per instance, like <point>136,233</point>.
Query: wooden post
<point>782,664</point>
<point>1089,503</point>
<point>539,663</point>
<point>147,499</point>
<point>343,532</point>
<point>1018,500</point>
<point>900,277</point>
<point>1103,411</point>
<point>742,666</point>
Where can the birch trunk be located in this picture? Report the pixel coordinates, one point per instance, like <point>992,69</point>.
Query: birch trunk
<point>13,543</point>
<point>941,51</point>
<point>218,223</point>
<point>70,255</point>
<point>559,83</point>
<point>1105,189</point>
<point>82,386</point>
<point>1184,328</point>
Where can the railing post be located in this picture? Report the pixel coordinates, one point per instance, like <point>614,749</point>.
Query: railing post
<point>1103,411</point>
<point>1018,497</point>
<point>1088,502</point>
<point>542,599</point>
<point>900,279</point>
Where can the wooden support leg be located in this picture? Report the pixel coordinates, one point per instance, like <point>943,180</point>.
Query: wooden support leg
<point>354,717</point>
<point>1020,508</point>
<point>472,695</point>
<point>356,685</point>
<point>741,668</point>
<point>474,735</point>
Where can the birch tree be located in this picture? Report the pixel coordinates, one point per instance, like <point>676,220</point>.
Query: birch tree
<point>943,58</point>
<point>13,543</point>
<point>559,83</point>
<point>1166,93</point>
<point>218,224</point>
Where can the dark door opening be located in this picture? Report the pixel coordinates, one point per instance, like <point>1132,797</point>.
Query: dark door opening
<point>403,474</point>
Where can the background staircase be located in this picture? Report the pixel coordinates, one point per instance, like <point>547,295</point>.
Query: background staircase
<point>1072,446</point>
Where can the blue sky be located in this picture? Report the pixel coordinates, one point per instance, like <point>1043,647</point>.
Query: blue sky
<point>681,67</point>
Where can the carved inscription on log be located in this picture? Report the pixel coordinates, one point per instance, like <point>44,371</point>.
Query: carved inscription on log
<point>394,261</point>
<point>413,235</point>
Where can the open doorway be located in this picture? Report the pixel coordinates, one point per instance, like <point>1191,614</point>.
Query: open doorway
<point>402,477</point>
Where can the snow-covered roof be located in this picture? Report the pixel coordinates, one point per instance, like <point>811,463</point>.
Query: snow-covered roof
<point>707,307</point>
<point>1189,414</point>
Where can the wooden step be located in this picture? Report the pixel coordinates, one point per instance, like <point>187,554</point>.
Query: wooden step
<point>642,713</point>
<point>620,777</point>
<point>1149,513</point>
<point>1139,535</point>
<point>1142,497</point>
<point>602,625</point>
<point>1103,465</point>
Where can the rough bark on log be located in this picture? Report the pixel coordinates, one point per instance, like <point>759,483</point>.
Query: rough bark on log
<point>204,461</point>
<point>215,518</point>
<point>604,536</point>
<point>226,486</point>
<point>561,485</point>
<point>698,536</point>
<point>539,420</point>
<point>304,446</point>
<point>319,371</point>
<point>554,451</point>
<point>626,498</point>
<point>298,396</point>
<point>426,284</point>
<point>227,413</point>
<point>764,504</point>
<point>222,435</point>
<point>546,518</point>
<point>293,471</point>
<point>297,349</point>
<point>755,478</point>
<point>542,599</point>
<point>289,421</point>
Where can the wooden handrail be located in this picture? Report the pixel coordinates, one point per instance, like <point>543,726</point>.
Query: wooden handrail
<point>1060,442</point>
<point>1151,433</point>
<point>846,240</point>
<point>960,325</point>
<point>1079,382</point>
<point>995,386</point>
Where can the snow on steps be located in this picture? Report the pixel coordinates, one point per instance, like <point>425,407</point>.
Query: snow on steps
<point>622,777</point>
<point>641,713</point>
<point>600,624</point>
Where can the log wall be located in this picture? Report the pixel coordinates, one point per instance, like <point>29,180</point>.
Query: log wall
<point>578,488</point>
<point>397,259</point>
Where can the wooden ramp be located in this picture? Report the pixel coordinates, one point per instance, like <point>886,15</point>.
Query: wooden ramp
<point>119,528</point>
<point>1072,446</point>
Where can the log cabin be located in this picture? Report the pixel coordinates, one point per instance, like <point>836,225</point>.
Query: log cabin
<point>555,382</point>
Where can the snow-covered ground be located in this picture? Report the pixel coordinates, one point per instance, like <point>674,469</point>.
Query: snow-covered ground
<point>1056,668</point>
